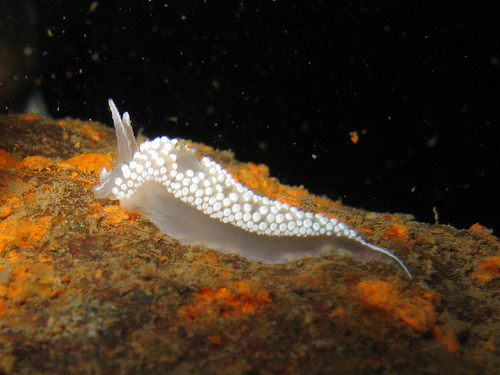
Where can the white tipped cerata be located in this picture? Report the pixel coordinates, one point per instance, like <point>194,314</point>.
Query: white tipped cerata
<point>200,203</point>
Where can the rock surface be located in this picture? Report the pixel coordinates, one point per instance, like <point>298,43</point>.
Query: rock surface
<point>86,287</point>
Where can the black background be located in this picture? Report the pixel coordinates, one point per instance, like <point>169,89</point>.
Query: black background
<point>285,82</point>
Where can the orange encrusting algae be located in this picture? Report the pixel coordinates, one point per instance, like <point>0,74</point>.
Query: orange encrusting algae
<point>6,160</point>
<point>89,129</point>
<point>25,278</point>
<point>29,117</point>
<point>23,232</point>
<point>253,176</point>
<point>397,231</point>
<point>37,163</point>
<point>90,162</point>
<point>482,231</point>
<point>488,269</point>
<point>5,211</point>
<point>240,298</point>
<point>15,229</point>
<point>257,178</point>
<point>418,312</point>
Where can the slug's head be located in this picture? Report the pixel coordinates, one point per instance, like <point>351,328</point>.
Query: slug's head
<point>127,147</point>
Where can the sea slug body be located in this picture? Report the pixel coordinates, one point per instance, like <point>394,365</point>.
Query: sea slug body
<point>198,202</point>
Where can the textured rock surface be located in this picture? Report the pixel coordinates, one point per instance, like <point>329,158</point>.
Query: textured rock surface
<point>86,287</point>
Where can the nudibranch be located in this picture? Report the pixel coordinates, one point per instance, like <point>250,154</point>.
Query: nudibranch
<point>198,202</point>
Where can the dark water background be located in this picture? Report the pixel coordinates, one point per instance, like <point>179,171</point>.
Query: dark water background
<point>284,83</point>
